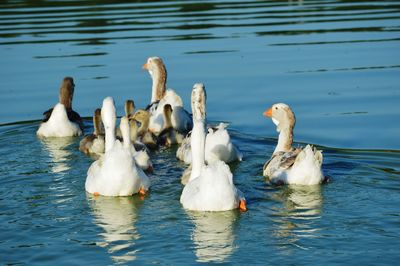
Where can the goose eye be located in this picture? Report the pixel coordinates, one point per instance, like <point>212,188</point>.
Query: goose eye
<point>276,107</point>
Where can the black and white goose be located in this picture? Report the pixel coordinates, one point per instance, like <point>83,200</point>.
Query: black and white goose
<point>62,120</point>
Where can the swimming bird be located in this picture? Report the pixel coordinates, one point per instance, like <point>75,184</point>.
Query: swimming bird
<point>289,165</point>
<point>143,134</point>
<point>61,120</point>
<point>129,109</point>
<point>169,136</point>
<point>180,119</point>
<point>210,187</point>
<point>218,147</point>
<point>138,149</point>
<point>94,143</point>
<point>115,173</point>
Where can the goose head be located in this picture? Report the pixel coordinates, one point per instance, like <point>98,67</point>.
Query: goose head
<point>167,112</point>
<point>199,101</point>
<point>142,116</point>
<point>108,113</point>
<point>158,73</point>
<point>124,127</point>
<point>282,116</point>
<point>109,117</point>
<point>129,108</point>
<point>67,92</point>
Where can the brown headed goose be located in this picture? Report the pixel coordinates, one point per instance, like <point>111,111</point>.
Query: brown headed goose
<point>143,134</point>
<point>210,187</point>
<point>180,118</point>
<point>288,165</point>
<point>169,136</point>
<point>129,112</point>
<point>94,143</point>
<point>129,108</point>
<point>62,121</point>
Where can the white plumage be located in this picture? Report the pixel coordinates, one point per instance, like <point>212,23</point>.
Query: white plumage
<point>218,147</point>
<point>62,121</point>
<point>181,120</point>
<point>115,173</point>
<point>213,190</point>
<point>210,187</point>
<point>58,124</point>
<point>288,165</point>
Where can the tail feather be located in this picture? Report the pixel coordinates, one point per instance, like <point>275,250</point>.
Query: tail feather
<point>307,167</point>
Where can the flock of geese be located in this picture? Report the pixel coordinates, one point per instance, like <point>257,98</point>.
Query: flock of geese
<point>124,160</point>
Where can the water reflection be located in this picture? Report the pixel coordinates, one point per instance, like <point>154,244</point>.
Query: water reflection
<point>117,216</point>
<point>59,153</point>
<point>297,219</point>
<point>213,235</point>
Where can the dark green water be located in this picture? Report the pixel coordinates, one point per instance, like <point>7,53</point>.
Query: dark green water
<point>335,62</point>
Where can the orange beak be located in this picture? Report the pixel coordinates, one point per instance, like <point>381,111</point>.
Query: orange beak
<point>146,66</point>
<point>242,205</point>
<point>142,192</point>
<point>96,194</point>
<point>268,113</point>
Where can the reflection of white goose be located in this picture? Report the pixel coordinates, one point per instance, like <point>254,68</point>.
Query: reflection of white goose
<point>210,187</point>
<point>306,199</point>
<point>115,173</point>
<point>301,208</point>
<point>117,216</point>
<point>57,148</point>
<point>213,235</point>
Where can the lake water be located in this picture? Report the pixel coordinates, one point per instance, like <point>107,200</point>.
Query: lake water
<point>336,63</point>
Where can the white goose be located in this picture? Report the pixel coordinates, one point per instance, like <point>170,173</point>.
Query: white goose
<point>218,147</point>
<point>138,149</point>
<point>115,173</point>
<point>94,143</point>
<point>288,165</point>
<point>210,187</point>
<point>180,118</point>
<point>62,121</point>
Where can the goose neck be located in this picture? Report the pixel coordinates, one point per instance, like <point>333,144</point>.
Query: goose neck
<point>110,137</point>
<point>159,86</point>
<point>97,124</point>
<point>285,140</point>
<point>197,144</point>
